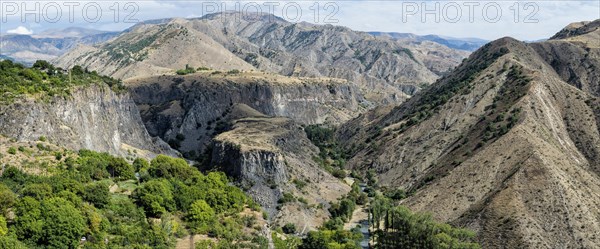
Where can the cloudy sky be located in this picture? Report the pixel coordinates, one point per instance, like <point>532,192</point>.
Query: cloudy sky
<point>526,20</point>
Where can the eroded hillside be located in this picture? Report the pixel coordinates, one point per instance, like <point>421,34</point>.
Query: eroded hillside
<point>385,70</point>
<point>273,160</point>
<point>503,145</point>
<point>187,111</point>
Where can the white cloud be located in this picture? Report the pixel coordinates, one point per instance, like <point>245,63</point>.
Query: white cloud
<point>20,31</point>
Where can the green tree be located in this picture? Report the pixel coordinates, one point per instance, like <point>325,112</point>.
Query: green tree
<point>119,168</point>
<point>28,221</point>
<point>404,229</point>
<point>63,224</point>
<point>140,164</point>
<point>7,198</point>
<point>11,242</point>
<point>200,216</point>
<point>343,209</point>
<point>42,64</point>
<point>155,197</point>
<point>3,228</point>
<point>331,239</point>
<point>64,183</point>
<point>38,191</point>
<point>97,194</point>
<point>289,228</point>
<point>169,167</point>
<point>77,70</point>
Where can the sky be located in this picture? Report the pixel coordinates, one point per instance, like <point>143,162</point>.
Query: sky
<point>525,20</point>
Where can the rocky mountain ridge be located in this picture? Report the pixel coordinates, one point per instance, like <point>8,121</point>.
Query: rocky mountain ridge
<point>503,145</point>
<point>385,70</point>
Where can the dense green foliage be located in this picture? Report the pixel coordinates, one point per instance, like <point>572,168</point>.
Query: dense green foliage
<point>332,234</point>
<point>92,196</point>
<point>342,210</point>
<point>291,242</point>
<point>331,239</point>
<point>398,227</point>
<point>331,156</point>
<point>46,80</point>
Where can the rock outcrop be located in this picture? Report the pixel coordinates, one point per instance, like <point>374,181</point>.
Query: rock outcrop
<point>93,117</point>
<point>272,157</point>
<point>187,111</point>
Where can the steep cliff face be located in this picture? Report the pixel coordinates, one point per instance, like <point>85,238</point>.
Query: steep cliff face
<point>93,117</point>
<point>503,145</point>
<point>196,106</point>
<point>273,158</point>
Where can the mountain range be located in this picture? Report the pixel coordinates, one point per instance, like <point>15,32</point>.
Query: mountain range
<point>384,69</point>
<point>467,44</point>
<point>50,44</point>
<point>323,127</point>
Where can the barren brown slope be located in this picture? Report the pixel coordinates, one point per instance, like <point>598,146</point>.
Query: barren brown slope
<point>154,49</point>
<point>384,69</point>
<point>503,145</point>
<point>574,53</point>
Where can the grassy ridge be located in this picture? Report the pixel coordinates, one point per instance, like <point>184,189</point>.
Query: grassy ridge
<point>44,80</point>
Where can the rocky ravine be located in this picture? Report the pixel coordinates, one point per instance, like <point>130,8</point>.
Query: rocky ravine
<point>196,106</point>
<point>271,156</point>
<point>503,145</point>
<point>93,117</point>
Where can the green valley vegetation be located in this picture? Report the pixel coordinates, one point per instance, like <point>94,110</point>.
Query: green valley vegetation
<point>397,227</point>
<point>45,80</point>
<point>332,234</point>
<point>187,70</point>
<point>331,156</point>
<point>95,200</point>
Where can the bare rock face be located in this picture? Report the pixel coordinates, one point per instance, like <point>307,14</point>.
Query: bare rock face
<point>384,69</point>
<point>187,111</point>
<point>93,117</point>
<point>271,157</point>
<point>504,145</point>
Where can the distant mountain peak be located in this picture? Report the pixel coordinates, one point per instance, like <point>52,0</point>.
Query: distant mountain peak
<point>246,16</point>
<point>74,32</point>
<point>466,44</point>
